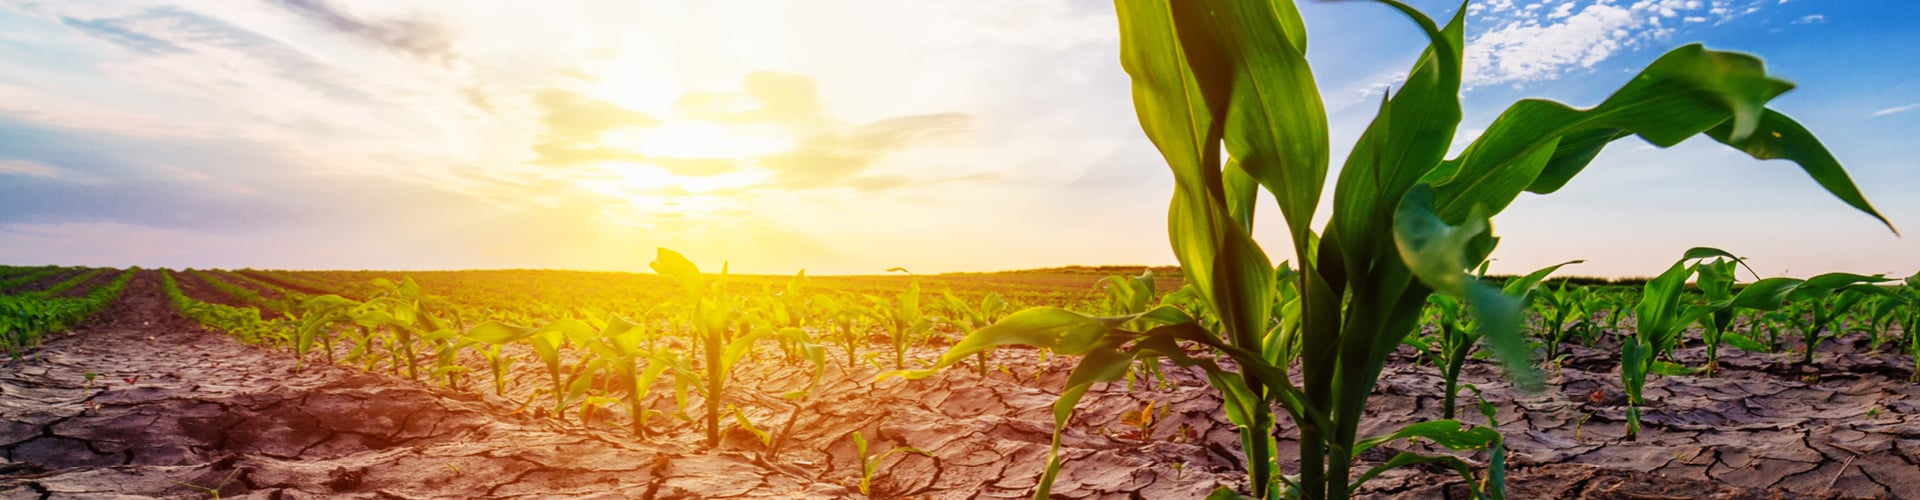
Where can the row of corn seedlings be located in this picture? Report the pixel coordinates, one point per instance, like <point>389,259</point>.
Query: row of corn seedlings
<point>26,318</point>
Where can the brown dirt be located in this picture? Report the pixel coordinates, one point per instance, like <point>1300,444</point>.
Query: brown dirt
<point>205,407</point>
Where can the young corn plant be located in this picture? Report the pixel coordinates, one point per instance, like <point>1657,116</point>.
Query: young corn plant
<point>725,334</point>
<point>712,316</point>
<point>1558,306</point>
<point>1456,336</point>
<point>1663,314</point>
<point>1132,296</point>
<point>902,318</point>
<point>846,321</point>
<point>969,318</point>
<point>1910,327</point>
<point>1223,90</point>
<point>1812,305</point>
<point>1715,280</point>
<point>1884,315</point>
<point>870,464</point>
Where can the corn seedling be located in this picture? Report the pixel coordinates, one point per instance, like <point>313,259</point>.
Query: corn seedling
<point>1910,327</point>
<point>1142,420</point>
<point>1558,306</point>
<point>969,318</point>
<point>902,318</point>
<point>1812,305</point>
<point>1661,317</point>
<point>212,492</point>
<point>869,464</point>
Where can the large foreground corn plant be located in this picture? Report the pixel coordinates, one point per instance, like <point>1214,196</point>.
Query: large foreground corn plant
<point>1222,88</point>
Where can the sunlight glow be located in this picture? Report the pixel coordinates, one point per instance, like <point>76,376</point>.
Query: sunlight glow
<point>634,86</point>
<point>697,140</point>
<point>626,179</point>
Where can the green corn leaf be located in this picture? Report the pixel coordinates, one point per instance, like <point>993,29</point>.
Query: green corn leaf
<point>497,333</point>
<point>740,419</point>
<point>1452,434</point>
<point>1409,458</point>
<point>1634,354</point>
<point>1767,294</point>
<point>1777,136</point>
<point>1684,93</point>
<point>1742,342</point>
<point>1226,493</point>
<point>1255,78</point>
<point>1165,95</point>
<point>570,329</point>
<point>1523,286</point>
<point>1836,281</point>
<point>1716,279</point>
<point>1439,255</point>
<point>1242,193</point>
<point>1101,365</point>
<point>1406,139</point>
<point>1659,311</point>
<point>1060,330</point>
<point>1669,369</point>
<point>676,266</point>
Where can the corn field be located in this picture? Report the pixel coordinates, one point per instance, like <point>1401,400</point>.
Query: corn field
<point>1373,356</point>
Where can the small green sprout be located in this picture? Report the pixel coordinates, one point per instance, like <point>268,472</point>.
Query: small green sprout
<point>870,463</point>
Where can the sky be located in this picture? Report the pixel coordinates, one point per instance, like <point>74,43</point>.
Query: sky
<point>842,136</point>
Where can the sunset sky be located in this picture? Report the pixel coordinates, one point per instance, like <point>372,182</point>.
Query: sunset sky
<point>840,136</point>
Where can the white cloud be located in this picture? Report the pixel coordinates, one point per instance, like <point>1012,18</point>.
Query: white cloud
<point>1897,109</point>
<point>1528,45</point>
<point>27,168</point>
<point>1811,19</point>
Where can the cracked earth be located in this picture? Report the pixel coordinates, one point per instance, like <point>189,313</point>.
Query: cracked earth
<point>177,412</point>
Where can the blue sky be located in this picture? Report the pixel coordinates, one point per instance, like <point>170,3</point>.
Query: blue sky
<point>839,136</point>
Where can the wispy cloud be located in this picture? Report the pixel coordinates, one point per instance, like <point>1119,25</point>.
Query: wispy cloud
<point>120,32</point>
<point>169,32</point>
<point>27,168</point>
<point>1811,19</point>
<point>1897,109</point>
<point>1532,43</point>
<point>411,36</point>
<point>830,157</point>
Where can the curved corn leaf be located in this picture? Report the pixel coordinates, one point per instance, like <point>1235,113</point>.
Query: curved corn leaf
<point>1523,286</point>
<point>497,333</point>
<point>1767,294</point>
<point>1452,434</point>
<point>1778,137</point>
<point>676,266</point>
<point>1407,458</point>
<point>1059,330</point>
<point>1254,76</point>
<point>1538,145</point>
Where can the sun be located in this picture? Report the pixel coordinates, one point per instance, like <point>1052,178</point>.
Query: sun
<point>699,140</point>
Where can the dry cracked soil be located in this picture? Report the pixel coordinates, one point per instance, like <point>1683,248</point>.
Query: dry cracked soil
<point>174,411</point>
